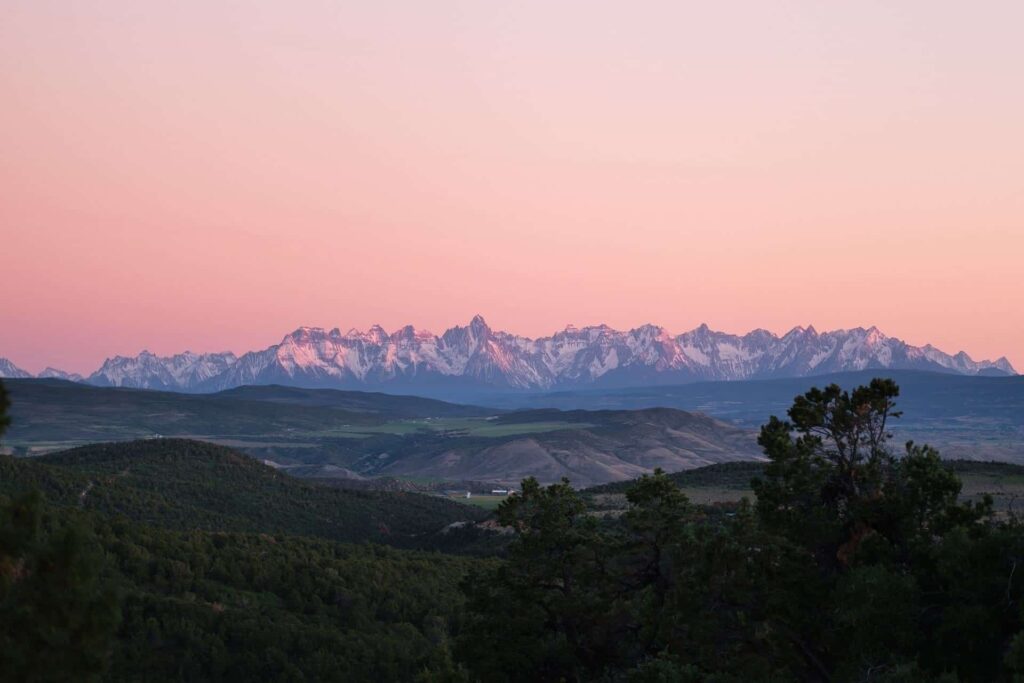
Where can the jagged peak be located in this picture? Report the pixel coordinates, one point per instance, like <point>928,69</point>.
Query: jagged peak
<point>303,335</point>
<point>305,331</point>
<point>51,372</point>
<point>13,370</point>
<point>410,332</point>
<point>702,331</point>
<point>1003,363</point>
<point>543,363</point>
<point>761,332</point>
<point>479,324</point>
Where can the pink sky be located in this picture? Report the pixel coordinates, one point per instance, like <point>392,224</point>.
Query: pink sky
<point>211,175</point>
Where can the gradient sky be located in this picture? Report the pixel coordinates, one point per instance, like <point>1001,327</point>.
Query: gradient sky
<point>212,174</point>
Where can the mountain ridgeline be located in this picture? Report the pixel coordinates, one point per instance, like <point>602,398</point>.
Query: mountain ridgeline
<point>475,358</point>
<point>967,417</point>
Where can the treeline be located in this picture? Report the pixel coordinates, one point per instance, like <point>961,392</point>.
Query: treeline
<point>726,475</point>
<point>89,597</point>
<point>854,564</point>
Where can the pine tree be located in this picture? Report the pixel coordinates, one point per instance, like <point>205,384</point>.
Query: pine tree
<point>5,405</point>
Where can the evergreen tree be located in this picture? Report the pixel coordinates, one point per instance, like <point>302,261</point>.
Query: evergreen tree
<point>5,405</point>
<point>888,536</point>
<point>551,594</point>
<point>57,617</point>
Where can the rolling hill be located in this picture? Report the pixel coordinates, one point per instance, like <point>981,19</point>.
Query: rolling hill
<point>387,406</point>
<point>45,411</point>
<point>971,418</point>
<point>225,569</point>
<point>587,447</point>
<point>182,484</point>
<point>353,434</point>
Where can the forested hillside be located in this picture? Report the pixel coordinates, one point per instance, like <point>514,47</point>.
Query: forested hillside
<point>189,561</point>
<point>169,560</point>
<point>180,484</point>
<point>99,594</point>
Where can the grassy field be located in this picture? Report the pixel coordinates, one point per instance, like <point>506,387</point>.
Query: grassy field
<point>1006,488</point>
<point>285,425</point>
<point>486,502</point>
<point>454,426</point>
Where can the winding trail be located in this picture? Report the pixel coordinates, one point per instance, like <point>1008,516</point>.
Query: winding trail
<point>85,492</point>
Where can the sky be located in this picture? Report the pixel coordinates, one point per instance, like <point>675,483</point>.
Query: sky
<point>211,175</point>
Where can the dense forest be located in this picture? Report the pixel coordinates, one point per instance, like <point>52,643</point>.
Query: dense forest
<point>173,560</point>
<point>186,485</point>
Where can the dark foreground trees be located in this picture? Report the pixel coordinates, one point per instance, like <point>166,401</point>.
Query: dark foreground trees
<point>857,563</point>
<point>177,576</point>
<point>57,619</point>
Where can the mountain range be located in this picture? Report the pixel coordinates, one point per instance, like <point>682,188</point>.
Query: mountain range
<point>9,370</point>
<point>476,358</point>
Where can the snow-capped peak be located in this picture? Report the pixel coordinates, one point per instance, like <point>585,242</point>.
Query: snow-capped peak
<point>12,371</point>
<point>477,355</point>
<point>55,373</point>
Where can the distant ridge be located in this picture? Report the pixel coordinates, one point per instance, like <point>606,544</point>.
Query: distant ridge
<point>475,357</point>
<point>12,371</point>
<point>9,370</point>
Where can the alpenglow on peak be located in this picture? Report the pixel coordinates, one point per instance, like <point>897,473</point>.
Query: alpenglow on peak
<point>476,356</point>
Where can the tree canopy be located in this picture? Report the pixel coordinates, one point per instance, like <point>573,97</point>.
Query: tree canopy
<point>856,561</point>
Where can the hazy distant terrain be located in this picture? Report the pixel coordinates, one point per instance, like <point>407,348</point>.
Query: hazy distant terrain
<point>973,418</point>
<point>45,411</point>
<point>328,433</point>
<point>591,437</point>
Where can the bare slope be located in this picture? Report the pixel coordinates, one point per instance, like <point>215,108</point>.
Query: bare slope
<point>595,447</point>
